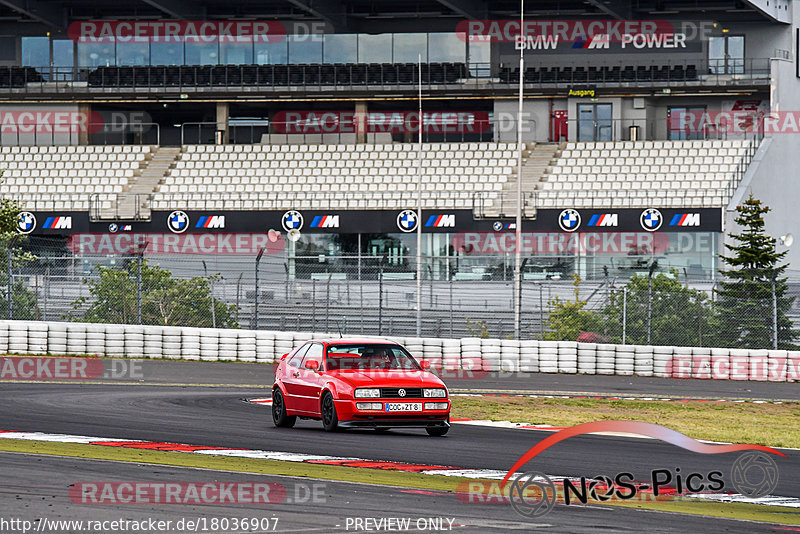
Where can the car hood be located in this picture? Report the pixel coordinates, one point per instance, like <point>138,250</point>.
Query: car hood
<point>392,378</point>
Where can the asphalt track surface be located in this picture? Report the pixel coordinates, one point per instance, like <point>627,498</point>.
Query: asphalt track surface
<point>255,375</point>
<point>36,490</point>
<point>209,409</point>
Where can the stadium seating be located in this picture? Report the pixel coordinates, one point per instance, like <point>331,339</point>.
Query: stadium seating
<point>604,74</point>
<point>276,75</point>
<point>377,175</point>
<point>340,176</point>
<point>646,173</point>
<point>64,177</point>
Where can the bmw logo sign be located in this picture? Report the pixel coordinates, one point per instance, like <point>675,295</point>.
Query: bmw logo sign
<point>26,222</point>
<point>569,220</point>
<point>178,221</point>
<point>113,228</point>
<point>497,226</point>
<point>292,220</point>
<point>651,219</point>
<point>407,220</point>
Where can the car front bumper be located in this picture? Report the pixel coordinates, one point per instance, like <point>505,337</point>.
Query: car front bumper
<point>351,417</point>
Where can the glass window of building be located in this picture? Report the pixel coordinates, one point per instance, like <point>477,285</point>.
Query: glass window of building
<point>133,53</point>
<point>409,46</point>
<point>272,53</point>
<point>480,55</point>
<point>36,51</point>
<point>237,53</point>
<point>202,53</point>
<point>447,47</point>
<point>63,53</point>
<point>680,120</point>
<point>166,54</point>
<point>305,49</point>
<point>340,48</point>
<point>726,54</point>
<point>96,54</point>
<point>375,48</point>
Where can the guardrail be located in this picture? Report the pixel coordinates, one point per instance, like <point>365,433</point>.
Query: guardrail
<point>466,357</point>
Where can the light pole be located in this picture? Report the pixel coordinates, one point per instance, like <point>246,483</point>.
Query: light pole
<point>211,289</point>
<point>653,267</point>
<point>419,204</point>
<point>518,233</point>
<point>255,297</point>
<point>380,294</point>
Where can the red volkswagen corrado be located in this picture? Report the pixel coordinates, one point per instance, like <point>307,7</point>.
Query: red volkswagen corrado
<point>359,383</point>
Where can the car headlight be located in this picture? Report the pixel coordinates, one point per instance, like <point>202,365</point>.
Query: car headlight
<point>434,392</point>
<point>435,405</point>
<point>369,406</point>
<point>368,393</point>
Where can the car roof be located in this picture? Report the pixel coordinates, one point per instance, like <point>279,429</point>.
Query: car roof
<point>355,341</point>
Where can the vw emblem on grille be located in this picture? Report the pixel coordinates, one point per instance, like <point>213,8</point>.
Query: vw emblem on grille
<point>401,392</point>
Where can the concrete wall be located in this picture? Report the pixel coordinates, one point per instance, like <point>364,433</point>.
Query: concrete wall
<point>774,179</point>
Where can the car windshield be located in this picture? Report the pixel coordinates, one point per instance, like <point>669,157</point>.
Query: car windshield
<point>368,356</point>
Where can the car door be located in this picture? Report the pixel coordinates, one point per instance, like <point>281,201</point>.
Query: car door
<point>311,382</point>
<point>292,380</point>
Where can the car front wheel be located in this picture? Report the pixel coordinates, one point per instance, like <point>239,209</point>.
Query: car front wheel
<point>279,417</point>
<point>330,421</point>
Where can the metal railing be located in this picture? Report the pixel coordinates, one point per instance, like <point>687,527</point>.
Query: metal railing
<point>360,76</point>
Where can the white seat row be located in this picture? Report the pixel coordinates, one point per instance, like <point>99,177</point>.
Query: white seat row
<point>365,147</point>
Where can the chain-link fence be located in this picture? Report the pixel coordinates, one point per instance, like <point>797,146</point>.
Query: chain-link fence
<point>377,295</point>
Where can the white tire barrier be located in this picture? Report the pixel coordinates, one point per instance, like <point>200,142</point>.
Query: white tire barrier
<point>56,338</point>
<point>209,344</point>
<point>228,344</point>
<point>587,358</point>
<point>466,354</point>
<point>37,338</point>
<point>190,343</point>
<point>246,348</point>
<point>153,347</point>
<point>76,338</point>
<point>265,346</point>
<point>115,340</point>
<point>134,341</point>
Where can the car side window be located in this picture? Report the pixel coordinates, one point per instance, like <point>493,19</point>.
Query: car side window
<point>314,353</point>
<point>297,358</point>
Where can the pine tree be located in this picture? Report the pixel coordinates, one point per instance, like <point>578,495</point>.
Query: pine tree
<point>745,305</point>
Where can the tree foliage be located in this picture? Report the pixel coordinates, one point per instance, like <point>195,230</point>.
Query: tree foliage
<point>745,304</point>
<point>679,315</point>
<point>166,300</point>
<point>569,318</point>
<point>23,300</point>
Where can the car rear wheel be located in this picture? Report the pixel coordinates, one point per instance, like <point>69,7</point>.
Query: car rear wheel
<point>437,430</point>
<point>330,421</point>
<point>279,417</point>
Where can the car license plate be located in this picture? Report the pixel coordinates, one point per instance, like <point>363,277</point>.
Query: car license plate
<point>403,406</point>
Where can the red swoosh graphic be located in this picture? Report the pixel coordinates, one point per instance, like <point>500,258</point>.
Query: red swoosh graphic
<point>650,430</point>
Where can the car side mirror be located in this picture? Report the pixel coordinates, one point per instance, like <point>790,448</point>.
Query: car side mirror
<point>312,365</point>
<point>425,364</point>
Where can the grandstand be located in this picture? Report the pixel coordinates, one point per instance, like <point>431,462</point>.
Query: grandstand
<point>212,136</point>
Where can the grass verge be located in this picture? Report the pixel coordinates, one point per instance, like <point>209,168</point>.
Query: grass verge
<point>776,425</point>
